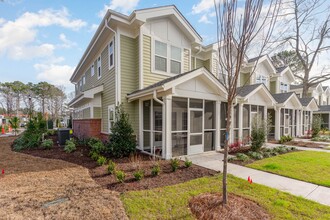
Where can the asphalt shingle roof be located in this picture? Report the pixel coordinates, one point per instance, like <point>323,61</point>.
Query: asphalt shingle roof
<point>247,89</point>
<point>280,69</point>
<point>282,97</point>
<point>296,86</point>
<point>305,101</point>
<point>324,87</point>
<point>324,108</point>
<point>254,59</point>
<point>162,82</point>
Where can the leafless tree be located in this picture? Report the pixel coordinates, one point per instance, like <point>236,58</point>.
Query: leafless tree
<point>236,32</point>
<point>308,37</point>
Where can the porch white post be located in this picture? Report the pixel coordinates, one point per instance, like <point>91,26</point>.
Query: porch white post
<point>217,125</point>
<point>168,127</point>
<point>277,123</point>
<point>240,121</point>
<point>329,121</point>
<point>141,124</point>
<point>266,119</point>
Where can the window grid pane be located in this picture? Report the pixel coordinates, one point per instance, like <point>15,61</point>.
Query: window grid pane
<point>161,49</point>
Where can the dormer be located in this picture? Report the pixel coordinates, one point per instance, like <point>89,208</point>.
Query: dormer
<point>263,70</point>
<point>280,82</point>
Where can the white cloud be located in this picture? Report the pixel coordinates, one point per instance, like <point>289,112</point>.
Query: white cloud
<point>204,20</point>
<point>121,6</point>
<point>203,6</point>
<point>65,42</point>
<point>93,27</point>
<point>17,37</point>
<point>55,74</point>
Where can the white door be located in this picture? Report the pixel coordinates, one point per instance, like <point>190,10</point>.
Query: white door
<point>196,132</point>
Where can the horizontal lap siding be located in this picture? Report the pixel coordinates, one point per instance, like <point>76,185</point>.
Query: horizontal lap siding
<point>97,112</point>
<point>199,63</point>
<point>129,56</point>
<point>186,60</point>
<point>149,78</point>
<point>86,113</point>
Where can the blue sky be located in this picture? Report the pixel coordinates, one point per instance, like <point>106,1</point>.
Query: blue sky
<point>44,40</point>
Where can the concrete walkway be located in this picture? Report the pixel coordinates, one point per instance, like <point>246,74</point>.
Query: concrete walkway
<point>270,145</point>
<point>213,160</point>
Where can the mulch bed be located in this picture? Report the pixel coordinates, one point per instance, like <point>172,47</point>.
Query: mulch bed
<point>129,166</point>
<point>208,206</point>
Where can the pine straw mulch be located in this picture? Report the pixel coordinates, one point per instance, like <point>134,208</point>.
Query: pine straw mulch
<point>208,207</point>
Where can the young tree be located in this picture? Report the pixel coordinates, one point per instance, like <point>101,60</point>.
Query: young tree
<point>235,34</point>
<point>308,36</point>
<point>14,123</point>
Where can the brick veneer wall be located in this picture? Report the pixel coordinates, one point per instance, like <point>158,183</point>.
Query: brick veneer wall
<point>86,128</point>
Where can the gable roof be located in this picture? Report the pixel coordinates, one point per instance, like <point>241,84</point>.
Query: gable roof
<point>305,101</point>
<point>255,59</point>
<point>324,108</point>
<point>280,69</point>
<point>296,86</point>
<point>247,89</point>
<point>282,97</point>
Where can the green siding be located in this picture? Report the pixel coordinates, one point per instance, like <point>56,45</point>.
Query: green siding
<point>273,86</point>
<point>129,56</point>
<point>87,113</point>
<point>149,78</point>
<point>207,64</point>
<point>97,112</point>
<point>244,78</point>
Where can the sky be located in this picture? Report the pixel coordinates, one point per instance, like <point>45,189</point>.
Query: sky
<point>44,40</point>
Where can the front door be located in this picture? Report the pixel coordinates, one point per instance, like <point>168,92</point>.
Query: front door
<point>196,132</point>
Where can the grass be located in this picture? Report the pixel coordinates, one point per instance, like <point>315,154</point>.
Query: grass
<point>308,166</point>
<point>171,202</point>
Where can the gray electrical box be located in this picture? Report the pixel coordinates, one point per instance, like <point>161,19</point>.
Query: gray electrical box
<point>63,135</point>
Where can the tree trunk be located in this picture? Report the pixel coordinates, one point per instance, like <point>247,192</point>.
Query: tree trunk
<point>305,84</point>
<point>225,158</point>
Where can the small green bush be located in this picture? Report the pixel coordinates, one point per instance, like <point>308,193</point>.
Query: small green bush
<point>285,139</point>
<point>111,167</point>
<point>70,146</point>
<point>316,125</point>
<point>281,149</point>
<point>138,175</point>
<point>95,156</point>
<point>47,144</point>
<point>175,164</point>
<point>242,157</point>
<point>255,155</point>
<point>120,175</point>
<point>101,161</point>
<point>98,147</point>
<point>155,170</point>
<point>266,154</point>
<point>187,162</point>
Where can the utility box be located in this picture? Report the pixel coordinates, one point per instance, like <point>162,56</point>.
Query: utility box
<point>63,135</point>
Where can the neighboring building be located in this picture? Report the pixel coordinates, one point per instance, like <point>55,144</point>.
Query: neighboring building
<point>154,63</point>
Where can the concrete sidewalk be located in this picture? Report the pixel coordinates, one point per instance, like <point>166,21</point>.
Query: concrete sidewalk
<point>213,160</point>
<point>270,145</point>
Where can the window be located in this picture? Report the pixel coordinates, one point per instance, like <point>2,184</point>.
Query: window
<point>84,80</point>
<point>261,79</point>
<point>80,85</point>
<point>167,58</point>
<point>111,54</point>
<point>99,73</point>
<point>111,116</point>
<point>92,70</point>
<point>284,87</point>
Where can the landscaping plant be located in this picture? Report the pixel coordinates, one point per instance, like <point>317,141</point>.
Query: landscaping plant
<point>175,164</point>
<point>14,123</point>
<point>70,146</point>
<point>258,133</point>
<point>122,141</point>
<point>187,162</point>
<point>95,156</point>
<point>47,144</point>
<point>120,175</point>
<point>155,170</point>
<point>138,175</point>
<point>285,139</point>
<point>316,125</point>
<point>101,161</point>
<point>111,167</point>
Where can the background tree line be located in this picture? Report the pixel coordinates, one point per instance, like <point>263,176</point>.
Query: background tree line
<point>17,98</point>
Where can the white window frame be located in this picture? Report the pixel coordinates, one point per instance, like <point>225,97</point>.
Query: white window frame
<point>84,80</point>
<point>99,67</point>
<point>111,53</point>
<point>92,70</point>
<point>261,79</point>
<point>111,110</point>
<point>168,58</point>
<point>284,87</point>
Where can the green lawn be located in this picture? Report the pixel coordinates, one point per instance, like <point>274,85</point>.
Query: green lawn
<point>308,166</point>
<point>171,202</point>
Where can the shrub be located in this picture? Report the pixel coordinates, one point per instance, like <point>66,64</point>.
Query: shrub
<point>111,167</point>
<point>242,157</point>
<point>138,175</point>
<point>101,161</point>
<point>266,154</point>
<point>47,144</point>
<point>14,123</point>
<point>281,149</point>
<point>120,175</point>
<point>95,156</point>
<point>285,139</point>
<point>92,141</point>
<point>70,146</point>
<point>235,146</point>
<point>51,132</point>
<point>155,170</point>
<point>175,164</point>
<point>98,147</point>
<point>316,125</point>
<point>255,155</point>
<point>187,162</point>
<point>258,133</point>
<point>122,141</point>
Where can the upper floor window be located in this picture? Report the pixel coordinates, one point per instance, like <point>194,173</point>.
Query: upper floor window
<point>261,79</point>
<point>99,73</point>
<point>80,85</point>
<point>167,58</point>
<point>284,87</point>
<point>84,80</point>
<point>92,70</point>
<point>111,54</point>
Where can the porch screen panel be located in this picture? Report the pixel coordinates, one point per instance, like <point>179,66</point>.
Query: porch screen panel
<point>146,126</point>
<point>179,126</point>
<point>209,119</point>
<point>158,127</point>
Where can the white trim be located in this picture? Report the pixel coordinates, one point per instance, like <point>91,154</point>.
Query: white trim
<point>112,108</point>
<point>141,59</point>
<point>99,66</point>
<point>118,69</point>
<point>92,69</point>
<point>113,53</point>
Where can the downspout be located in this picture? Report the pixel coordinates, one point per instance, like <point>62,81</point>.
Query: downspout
<point>154,96</point>
<point>116,59</point>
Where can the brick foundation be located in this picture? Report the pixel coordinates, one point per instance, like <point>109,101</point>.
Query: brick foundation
<point>86,128</point>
